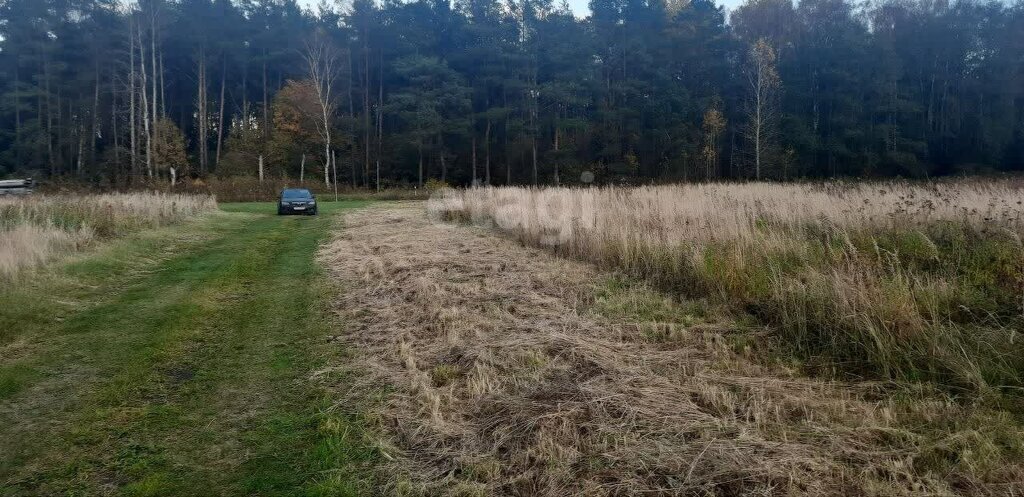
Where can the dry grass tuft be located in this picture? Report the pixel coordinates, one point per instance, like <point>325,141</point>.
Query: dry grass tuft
<point>513,372</point>
<point>36,229</point>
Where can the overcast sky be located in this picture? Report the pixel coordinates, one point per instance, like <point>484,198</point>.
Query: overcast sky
<point>578,6</point>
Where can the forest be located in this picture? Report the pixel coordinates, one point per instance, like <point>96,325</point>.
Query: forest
<point>384,94</point>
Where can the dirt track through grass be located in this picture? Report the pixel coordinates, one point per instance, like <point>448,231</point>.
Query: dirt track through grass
<point>178,362</point>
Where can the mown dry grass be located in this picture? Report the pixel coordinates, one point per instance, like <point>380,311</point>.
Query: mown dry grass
<point>890,280</point>
<point>508,371</point>
<point>36,229</point>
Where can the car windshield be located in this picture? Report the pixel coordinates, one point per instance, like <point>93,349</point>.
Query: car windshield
<point>296,194</point>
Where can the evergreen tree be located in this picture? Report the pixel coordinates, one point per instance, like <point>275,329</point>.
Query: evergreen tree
<point>512,91</point>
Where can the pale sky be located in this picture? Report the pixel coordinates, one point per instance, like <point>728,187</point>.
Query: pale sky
<point>578,6</point>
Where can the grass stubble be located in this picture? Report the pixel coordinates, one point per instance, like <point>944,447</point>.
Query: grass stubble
<point>507,371</point>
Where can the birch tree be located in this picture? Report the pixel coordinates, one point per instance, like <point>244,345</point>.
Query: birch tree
<point>145,108</point>
<point>906,87</point>
<point>132,97</point>
<point>323,67</point>
<point>763,86</point>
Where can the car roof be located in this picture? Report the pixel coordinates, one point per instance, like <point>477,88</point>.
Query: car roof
<point>296,191</point>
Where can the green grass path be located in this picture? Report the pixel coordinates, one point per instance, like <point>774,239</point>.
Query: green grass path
<point>179,362</point>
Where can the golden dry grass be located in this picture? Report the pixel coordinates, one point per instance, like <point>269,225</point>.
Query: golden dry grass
<point>500,378</point>
<point>582,218</point>
<point>892,279</point>
<point>36,229</point>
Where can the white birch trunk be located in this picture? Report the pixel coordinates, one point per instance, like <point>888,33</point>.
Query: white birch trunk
<point>131,97</point>
<point>145,109</point>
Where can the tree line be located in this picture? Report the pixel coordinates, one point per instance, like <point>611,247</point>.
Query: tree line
<point>376,94</point>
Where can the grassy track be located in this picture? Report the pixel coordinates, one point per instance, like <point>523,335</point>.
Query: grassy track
<point>178,362</point>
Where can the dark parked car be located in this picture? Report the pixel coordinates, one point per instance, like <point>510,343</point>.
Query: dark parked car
<point>296,201</point>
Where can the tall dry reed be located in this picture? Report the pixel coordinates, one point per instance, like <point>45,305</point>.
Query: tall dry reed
<point>891,279</point>
<point>36,229</point>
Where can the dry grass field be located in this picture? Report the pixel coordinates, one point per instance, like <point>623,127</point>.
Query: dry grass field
<point>496,368</point>
<point>693,340</point>
<point>885,280</point>
<point>38,228</point>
